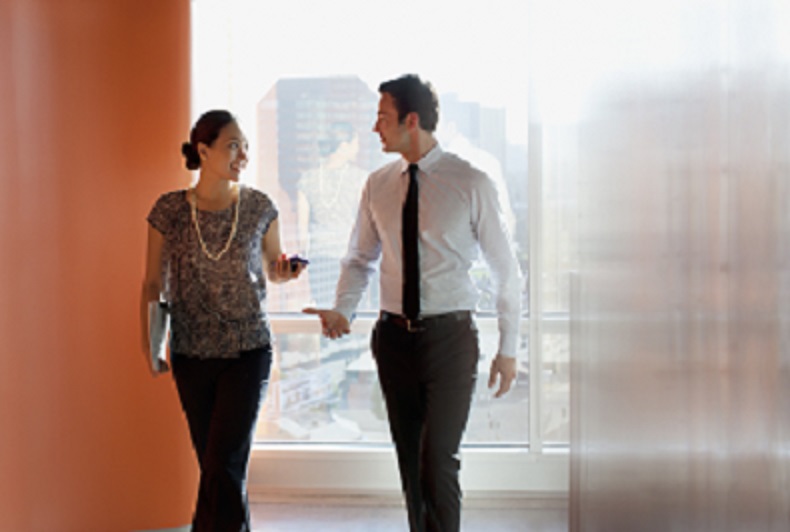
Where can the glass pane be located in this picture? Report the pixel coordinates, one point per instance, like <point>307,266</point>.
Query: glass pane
<point>305,92</point>
<point>559,217</point>
<point>504,420</point>
<point>555,393</point>
<point>323,390</point>
<point>327,391</point>
<point>558,220</point>
<point>316,150</point>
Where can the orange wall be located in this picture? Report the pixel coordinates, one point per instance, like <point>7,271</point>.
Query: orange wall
<point>94,102</point>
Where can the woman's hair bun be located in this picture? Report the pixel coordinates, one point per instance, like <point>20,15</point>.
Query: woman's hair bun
<point>205,131</point>
<point>191,155</point>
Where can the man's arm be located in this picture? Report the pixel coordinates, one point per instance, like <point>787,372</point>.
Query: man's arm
<point>496,245</point>
<point>364,248</point>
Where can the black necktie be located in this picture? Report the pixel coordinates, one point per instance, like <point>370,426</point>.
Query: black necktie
<point>411,258</point>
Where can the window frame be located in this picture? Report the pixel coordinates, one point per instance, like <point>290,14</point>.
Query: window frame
<point>534,471</point>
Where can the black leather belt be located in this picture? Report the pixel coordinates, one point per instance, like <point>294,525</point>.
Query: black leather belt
<point>424,322</point>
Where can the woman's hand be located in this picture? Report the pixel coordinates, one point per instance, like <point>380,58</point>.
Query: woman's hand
<point>281,271</point>
<point>278,267</point>
<point>162,366</point>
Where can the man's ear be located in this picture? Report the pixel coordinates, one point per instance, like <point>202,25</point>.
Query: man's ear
<point>412,120</point>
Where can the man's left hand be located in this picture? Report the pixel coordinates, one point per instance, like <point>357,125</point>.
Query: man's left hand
<point>503,368</point>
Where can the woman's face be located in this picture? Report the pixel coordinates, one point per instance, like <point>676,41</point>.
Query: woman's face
<point>227,156</point>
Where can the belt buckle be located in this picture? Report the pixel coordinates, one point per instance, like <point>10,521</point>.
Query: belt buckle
<point>412,328</point>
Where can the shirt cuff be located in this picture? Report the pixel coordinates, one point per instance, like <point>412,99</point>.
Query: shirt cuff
<point>508,343</point>
<point>346,310</point>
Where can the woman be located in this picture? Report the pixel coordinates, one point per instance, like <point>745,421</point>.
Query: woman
<point>207,247</point>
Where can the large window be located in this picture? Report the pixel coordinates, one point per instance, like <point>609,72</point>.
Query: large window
<point>302,77</point>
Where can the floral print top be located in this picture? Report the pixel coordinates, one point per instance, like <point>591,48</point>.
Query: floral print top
<point>217,307</point>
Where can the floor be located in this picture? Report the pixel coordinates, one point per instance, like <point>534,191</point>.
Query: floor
<point>346,516</point>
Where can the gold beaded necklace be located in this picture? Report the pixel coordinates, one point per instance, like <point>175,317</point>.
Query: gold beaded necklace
<point>210,255</point>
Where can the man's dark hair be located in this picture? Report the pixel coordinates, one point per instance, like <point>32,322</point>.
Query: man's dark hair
<point>413,95</point>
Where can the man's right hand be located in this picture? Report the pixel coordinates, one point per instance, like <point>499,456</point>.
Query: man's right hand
<point>333,324</point>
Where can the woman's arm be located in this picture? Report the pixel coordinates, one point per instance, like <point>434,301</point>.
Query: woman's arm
<point>152,285</point>
<point>276,264</point>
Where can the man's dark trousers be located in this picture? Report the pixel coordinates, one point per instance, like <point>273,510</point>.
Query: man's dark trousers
<point>428,378</point>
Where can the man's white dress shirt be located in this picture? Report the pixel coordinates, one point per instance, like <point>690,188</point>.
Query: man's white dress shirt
<point>459,215</point>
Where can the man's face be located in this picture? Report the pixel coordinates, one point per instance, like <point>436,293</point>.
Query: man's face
<point>393,134</point>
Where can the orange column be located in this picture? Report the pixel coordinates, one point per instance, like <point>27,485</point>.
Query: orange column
<point>94,102</point>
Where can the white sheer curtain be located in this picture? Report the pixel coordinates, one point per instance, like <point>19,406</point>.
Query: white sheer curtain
<point>669,122</point>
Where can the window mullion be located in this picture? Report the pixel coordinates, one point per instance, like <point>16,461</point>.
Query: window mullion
<point>535,199</point>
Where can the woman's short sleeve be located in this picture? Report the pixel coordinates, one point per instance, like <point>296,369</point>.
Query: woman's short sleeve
<point>161,215</point>
<point>265,206</point>
<point>271,212</point>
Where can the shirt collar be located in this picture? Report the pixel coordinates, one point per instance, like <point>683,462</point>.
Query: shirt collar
<point>428,160</point>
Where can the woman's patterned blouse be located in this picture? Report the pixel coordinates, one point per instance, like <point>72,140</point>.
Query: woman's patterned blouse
<point>217,307</point>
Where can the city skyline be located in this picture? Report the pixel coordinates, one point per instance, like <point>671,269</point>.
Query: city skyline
<point>321,391</point>
<point>314,163</point>
<point>315,150</point>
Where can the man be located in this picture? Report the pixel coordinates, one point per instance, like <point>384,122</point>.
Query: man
<point>426,216</point>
